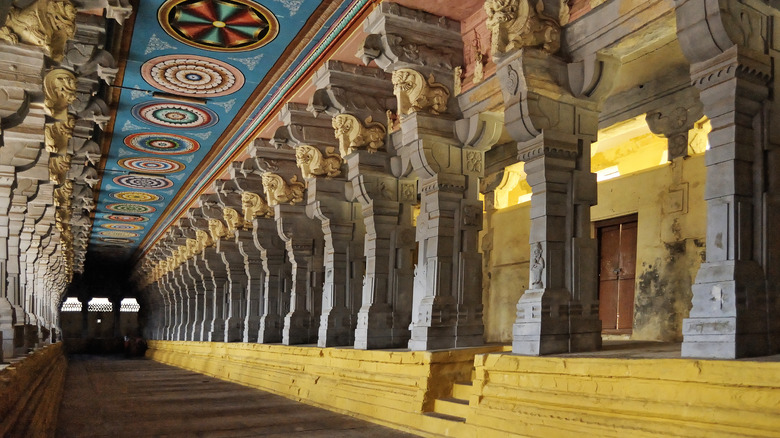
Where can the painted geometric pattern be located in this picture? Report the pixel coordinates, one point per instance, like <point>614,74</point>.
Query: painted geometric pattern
<point>123,227</point>
<point>191,67</point>
<point>221,25</point>
<point>175,115</point>
<point>137,196</point>
<point>160,143</point>
<point>193,75</point>
<point>113,233</point>
<point>151,165</point>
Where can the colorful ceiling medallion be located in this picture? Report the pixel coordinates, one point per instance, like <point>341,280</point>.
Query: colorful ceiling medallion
<point>175,115</point>
<point>191,74</point>
<point>115,240</point>
<point>123,227</point>
<point>221,25</point>
<point>151,165</point>
<point>144,182</point>
<point>113,233</point>
<point>162,144</point>
<point>131,208</point>
<point>125,218</point>
<point>136,197</point>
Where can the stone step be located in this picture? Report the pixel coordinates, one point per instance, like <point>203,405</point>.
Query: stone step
<point>451,406</point>
<point>445,417</point>
<point>462,390</point>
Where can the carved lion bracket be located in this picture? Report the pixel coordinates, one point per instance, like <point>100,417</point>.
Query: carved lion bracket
<point>277,191</point>
<point>352,134</point>
<point>313,163</point>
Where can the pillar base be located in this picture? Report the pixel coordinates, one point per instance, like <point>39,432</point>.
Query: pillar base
<point>297,328</point>
<point>234,330</point>
<point>217,333</point>
<point>251,327</point>
<point>335,328</point>
<point>375,329</point>
<point>270,330</point>
<point>7,321</point>
<point>542,325</point>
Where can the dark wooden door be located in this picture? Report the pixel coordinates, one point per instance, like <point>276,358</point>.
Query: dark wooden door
<point>617,271</point>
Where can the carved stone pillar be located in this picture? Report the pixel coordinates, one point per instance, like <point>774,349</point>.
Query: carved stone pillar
<point>7,315</point>
<point>447,309</point>
<point>552,112</point>
<point>734,66</point>
<point>276,302</point>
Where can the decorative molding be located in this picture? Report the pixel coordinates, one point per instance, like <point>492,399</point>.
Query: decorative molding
<point>313,163</point>
<point>48,24</point>
<point>352,134</point>
<point>518,24</point>
<point>277,191</point>
<point>415,93</point>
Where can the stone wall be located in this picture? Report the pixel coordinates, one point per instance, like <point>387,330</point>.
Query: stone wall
<point>30,393</point>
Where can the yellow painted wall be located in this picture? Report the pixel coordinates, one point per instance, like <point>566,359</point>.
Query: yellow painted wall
<point>669,201</point>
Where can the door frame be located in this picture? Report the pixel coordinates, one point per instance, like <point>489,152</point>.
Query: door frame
<point>597,225</point>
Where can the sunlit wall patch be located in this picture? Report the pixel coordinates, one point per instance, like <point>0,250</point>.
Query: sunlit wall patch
<point>136,196</point>
<point>192,75</point>
<point>161,143</point>
<point>152,165</point>
<point>175,115</point>
<point>131,208</point>
<point>219,25</point>
<point>122,227</point>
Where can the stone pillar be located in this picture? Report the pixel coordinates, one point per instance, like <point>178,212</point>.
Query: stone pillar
<point>255,274</point>
<point>559,311</point>
<point>276,301</point>
<point>447,308</point>
<point>215,304</point>
<point>734,66</point>
<point>116,308</point>
<point>7,315</point>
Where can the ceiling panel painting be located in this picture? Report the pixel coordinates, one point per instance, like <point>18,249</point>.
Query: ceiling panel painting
<point>191,66</point>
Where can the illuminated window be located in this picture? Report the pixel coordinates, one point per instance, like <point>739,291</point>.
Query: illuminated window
<point>72,304</point>
<point>129,305</point>
<point>99,305</point>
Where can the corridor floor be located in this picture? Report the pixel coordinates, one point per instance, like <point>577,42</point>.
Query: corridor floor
<point>114,397</point>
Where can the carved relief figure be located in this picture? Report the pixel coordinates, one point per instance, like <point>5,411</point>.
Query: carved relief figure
<point>45,23</point>
<point>352,134</point>
<point>58,168</point>
<point>516,24</point>
<point>312,163</point>
<point>277,191</point>
<point>217,229</point>
<point>537,267</point>
<point>58,134</point>
<point>254,206</point>
<point>193,248</point>
<point>204,240</point>
<point>414,93</point>
<point>59,90</point>
<point>63,193</point>
<point>233,221</point>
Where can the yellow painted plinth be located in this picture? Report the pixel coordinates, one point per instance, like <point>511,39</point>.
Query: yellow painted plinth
<point>511,395</point>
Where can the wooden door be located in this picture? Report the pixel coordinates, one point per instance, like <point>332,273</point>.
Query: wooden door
<point>617,272</point>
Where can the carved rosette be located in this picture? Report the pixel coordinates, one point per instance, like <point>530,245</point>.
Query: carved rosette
<point>312,163</point>
<point>59,91</point>
<point>217,229</point>
<point>277,191</point>
<point>517,24</point>
<point>233,220</point>
<point>48,24</point>
<point>254,206</point>
<point>415,93</point>
<point>352,134</point>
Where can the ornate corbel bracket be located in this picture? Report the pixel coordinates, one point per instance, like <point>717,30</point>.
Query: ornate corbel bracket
<point>254,206</point>
<point>313,163</point>
<point>518,24</point>
<point>673,122</point>
<point>59,89</point>
<point>233,221</point>
<point>352,134</point>
<point>217,230</point>
<point>48,24</point>
<point>277,191</point>
<point>416,93</point>
<point>204,240</point>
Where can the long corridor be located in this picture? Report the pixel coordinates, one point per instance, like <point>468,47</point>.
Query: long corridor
<point>113,397</point>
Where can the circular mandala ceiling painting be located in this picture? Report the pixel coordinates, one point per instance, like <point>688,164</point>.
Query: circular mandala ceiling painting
<point>162,144</point>
<point>125,218</point>
<point>145,182</point>
<point>136,197</point>
<point>115,240</point>
<point>191,74</point>
<point>175,115</point>
<point>220,25</point>
<point>151,165</point>
<point>114,233</point>
<point>123,227</point>
<point>131,208</point>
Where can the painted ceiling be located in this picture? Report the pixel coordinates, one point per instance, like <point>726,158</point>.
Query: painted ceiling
<point>191,67</point>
